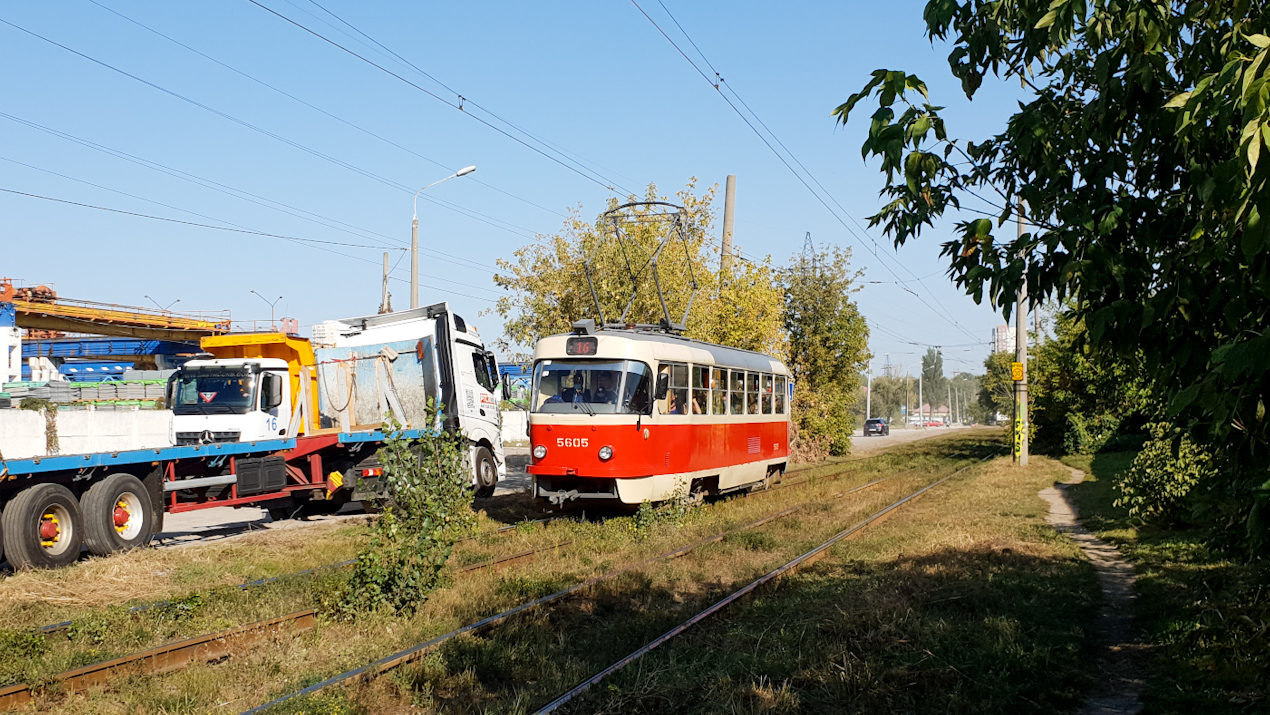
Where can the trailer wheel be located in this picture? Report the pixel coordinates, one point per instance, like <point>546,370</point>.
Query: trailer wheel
<point>486,473</point>
<point>118,515</point>
<point>43,526</point>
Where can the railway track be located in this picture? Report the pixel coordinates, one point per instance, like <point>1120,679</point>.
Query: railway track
<point>789,567</point>
<point>171,657</point>
<point>63,626</point>
<point>415,652</point>
<point>167,658</point>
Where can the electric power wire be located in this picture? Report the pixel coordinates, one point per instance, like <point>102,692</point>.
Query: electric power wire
<point>717,84</point>
<point>313,243</point>
<point>316,108</point>
<point>463,99</point>
<point>476,215</point>
<point>574,167</point>
<point>247,196</point>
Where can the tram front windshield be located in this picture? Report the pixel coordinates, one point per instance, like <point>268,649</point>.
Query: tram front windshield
<point>592,386</point>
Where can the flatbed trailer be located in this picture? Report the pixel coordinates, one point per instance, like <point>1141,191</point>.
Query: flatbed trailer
<point>267,420</point>
<point>111,501</point>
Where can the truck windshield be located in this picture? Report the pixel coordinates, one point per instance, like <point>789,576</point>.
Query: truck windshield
<point>592,386</point>
<point>214,390</point>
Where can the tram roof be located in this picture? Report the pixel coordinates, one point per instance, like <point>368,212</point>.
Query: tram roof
<point>662,346</point>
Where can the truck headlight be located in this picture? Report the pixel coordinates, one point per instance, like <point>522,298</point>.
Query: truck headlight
<point>606,453</point>
<point>540,451</point>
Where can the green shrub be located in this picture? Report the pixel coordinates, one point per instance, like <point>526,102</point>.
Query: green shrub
<point>426,509</point>
<point>1088,435</point>
<point>1170,466</point>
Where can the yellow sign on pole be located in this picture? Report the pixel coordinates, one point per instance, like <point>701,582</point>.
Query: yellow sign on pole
<point>1016,371</point>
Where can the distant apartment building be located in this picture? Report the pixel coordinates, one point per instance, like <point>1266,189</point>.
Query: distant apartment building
<point>1003,339</point>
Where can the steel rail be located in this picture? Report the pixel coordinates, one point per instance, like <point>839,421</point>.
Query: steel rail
<point>740,593</point>
<point>64,625</point>
<point>414,652</point>
<point>166,658</point>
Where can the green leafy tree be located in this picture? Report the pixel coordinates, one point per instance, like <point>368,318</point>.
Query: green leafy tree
<point>1080,396</point>
<point>1137,156</point>
<point>828,347</point>
<point>547,283</point>
<point>996,389</point>
<point>934,384</point>
<point>888,399</point>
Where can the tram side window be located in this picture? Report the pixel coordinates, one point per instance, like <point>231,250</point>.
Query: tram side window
<point>751,392</point>
<point>719,391</point>
<point>767,394</point>
<point>780,394</point>
<point>738,392</point>
<point>677,396</point>
<point>700,403</point>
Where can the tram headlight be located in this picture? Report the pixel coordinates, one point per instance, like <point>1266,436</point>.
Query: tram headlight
<point>606,453</point>
<point>540,451</point>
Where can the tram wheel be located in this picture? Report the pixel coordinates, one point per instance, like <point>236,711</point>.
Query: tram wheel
<point>43,527</point>
<point>486,473</point>
<point>118,515</point>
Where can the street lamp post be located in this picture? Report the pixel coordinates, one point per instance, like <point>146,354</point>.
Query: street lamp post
<point>414,236</point>
<point>271,305</point>
<point>156,304</point>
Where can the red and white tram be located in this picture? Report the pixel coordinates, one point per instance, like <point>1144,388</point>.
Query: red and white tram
<point>632,415</point>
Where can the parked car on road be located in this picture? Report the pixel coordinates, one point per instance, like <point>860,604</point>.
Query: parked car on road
<point>876,426</point>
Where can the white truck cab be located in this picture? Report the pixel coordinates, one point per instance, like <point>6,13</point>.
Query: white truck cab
<point>353,374</point>
<point>230,400</point>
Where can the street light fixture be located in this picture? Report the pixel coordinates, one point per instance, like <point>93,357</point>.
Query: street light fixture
<point>272,326</point>
<point>156,304</point>
<point>414,236</point>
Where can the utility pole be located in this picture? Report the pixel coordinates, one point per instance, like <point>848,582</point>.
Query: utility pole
<point>920,401</point>
<point>908,412</point>
<point>729,208</point>
<point>1020,356</point>
<point>950,410</point>
<point>383,301</point>
<point>868,395</point>
<point>414,262</point>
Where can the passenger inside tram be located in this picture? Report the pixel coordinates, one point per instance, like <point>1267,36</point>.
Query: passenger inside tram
<point>591,386</point>
<point>673,405</point>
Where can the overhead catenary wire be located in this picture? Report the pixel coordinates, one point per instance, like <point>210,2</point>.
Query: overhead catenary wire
<point>464,100</point>
<point>168,219</point>
<point>718,84</point>
<point>571,165</point>
<point>248,196</point>
<point>317,108</point>
<point>476,215</point>
<point>313,243</point>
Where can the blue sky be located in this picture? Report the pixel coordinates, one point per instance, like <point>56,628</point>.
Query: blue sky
<point>596,79</point>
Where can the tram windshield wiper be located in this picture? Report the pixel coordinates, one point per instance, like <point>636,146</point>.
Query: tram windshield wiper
<point>585,406</point>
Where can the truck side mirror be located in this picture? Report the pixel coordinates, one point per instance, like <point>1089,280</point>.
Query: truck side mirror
<point>273,391</point>
<point>507,391</point>
<point>663,386</point>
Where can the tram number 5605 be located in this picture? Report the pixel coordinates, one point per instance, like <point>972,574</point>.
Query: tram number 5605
<point>572,441</point>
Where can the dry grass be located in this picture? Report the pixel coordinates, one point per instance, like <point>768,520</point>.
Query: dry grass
<point>963,602</point>
<point>35,597</point>
<point>649,596</point>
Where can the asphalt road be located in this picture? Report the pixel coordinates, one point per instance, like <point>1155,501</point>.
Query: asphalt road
<point>866,445</point>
